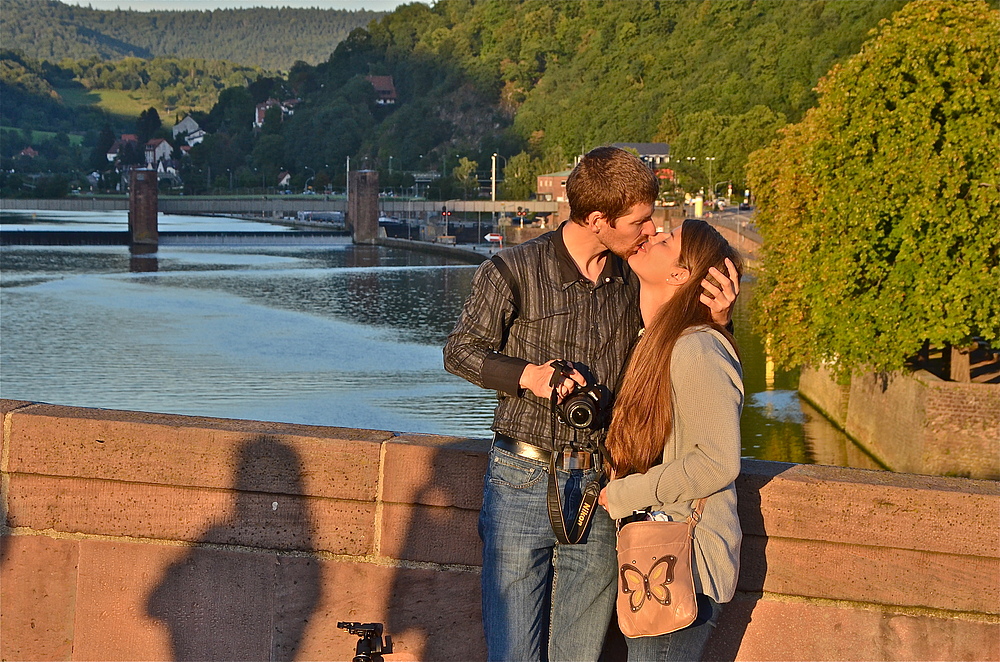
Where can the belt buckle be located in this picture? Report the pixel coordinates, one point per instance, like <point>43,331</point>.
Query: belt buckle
<point>569,460</point>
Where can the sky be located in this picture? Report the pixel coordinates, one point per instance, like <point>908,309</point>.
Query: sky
<point>201,5</point>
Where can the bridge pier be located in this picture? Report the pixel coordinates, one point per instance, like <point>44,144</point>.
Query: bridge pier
<point>362,206</point>
<point>143,209</point>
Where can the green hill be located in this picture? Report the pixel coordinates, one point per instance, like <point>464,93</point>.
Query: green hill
<point>272,39</point>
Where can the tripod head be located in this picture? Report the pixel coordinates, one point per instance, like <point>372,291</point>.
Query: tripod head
<point>370,647</point>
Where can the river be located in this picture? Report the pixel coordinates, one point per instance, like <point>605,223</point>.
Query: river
<point>338,335</point>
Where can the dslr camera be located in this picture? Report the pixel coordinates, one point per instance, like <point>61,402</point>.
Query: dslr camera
<point>587,407</point>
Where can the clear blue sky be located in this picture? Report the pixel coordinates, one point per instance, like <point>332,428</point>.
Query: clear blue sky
<point>200,5</point>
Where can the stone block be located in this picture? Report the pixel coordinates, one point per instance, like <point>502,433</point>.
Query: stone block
<point>430,533</point>
<point>38,597</point>
<point>156,602</point>
<point>881,575</point>
<point>871,508</point>
<point>219,453</point>
<point>764,629</point>
<point>430,614</point>
<point>210,516</point>
<point>435,471</point>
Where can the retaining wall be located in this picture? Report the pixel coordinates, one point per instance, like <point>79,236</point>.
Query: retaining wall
<point>916,422</point>
<point>134,536</point>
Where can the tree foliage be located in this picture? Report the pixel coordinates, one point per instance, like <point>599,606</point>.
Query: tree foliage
<point>269,38</point>
<point>880,210</point>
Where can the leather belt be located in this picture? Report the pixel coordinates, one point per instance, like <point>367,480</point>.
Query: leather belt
<point>565,460</point>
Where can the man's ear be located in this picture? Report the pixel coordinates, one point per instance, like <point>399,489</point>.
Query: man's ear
<point>596,221</point>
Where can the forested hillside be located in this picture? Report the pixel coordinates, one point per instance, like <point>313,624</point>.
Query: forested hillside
<point>711,78</point>
<point>537,81</point>
<point>273,39</point>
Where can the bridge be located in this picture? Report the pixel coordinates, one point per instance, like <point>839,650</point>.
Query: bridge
<point>278,205</point>
<point>132,535</point>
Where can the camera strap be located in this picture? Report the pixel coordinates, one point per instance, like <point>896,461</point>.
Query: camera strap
<point>572,534</point>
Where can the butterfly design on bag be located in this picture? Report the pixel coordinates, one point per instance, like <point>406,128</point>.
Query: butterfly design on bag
<point>639,586</point>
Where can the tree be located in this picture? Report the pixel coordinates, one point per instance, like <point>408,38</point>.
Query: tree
<point>880,210</point>
<point>465,174</point>
<point>148,124</point>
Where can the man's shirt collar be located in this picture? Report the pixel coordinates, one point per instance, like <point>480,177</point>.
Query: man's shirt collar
<point>569,273</point>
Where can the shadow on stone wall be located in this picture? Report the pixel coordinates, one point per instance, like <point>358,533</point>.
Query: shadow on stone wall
<point>439,607</point>
<point>725,642</point>
<point>221,603</point>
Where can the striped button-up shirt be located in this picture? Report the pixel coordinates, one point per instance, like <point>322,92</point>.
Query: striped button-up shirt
<point>562,315</point>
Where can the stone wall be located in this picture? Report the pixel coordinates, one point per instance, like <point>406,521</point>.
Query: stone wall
<point>916,422</point>
<point>135,536</point>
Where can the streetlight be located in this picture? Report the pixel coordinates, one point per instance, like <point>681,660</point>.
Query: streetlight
<point>711,160</point>
<point>493,182</point>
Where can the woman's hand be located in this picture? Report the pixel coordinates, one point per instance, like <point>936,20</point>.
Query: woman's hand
<point>720,300</point>
<point>603,499</point>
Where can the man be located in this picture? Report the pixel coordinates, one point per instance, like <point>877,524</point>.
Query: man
<point>574,299</point>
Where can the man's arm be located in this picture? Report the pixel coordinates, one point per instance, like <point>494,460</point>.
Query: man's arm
<point>474,347</point>
<point>721,299</point>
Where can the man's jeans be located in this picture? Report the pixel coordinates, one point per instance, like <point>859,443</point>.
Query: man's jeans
<point>542,600</point>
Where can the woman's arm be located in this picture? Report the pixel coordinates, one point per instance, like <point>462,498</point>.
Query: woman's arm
<point>708,399</point>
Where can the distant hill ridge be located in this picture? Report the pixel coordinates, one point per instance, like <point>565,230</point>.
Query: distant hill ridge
<point>273,39</point>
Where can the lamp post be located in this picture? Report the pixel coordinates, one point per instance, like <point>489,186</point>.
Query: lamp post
<point>711,160</point>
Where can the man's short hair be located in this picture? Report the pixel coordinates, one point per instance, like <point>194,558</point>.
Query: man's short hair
<point>611,181</point>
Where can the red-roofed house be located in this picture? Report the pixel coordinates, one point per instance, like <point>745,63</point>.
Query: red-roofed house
<point>158,155</point>
<point>385,90</point>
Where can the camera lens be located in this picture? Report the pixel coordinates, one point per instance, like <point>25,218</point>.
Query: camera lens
<point>580,414</point>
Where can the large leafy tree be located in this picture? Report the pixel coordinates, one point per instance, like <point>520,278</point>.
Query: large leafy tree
<point>880,210</point>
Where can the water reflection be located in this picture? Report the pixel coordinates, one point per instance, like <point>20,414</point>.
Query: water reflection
<point>338,335</point>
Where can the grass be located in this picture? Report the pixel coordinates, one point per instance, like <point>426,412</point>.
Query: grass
<point>117,102</point>
<point>39,136</point>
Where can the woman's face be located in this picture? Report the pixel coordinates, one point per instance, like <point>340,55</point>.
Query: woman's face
<point>657,261</point>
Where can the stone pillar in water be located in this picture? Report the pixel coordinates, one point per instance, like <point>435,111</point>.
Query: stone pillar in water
<point>362,207</point>
<point>143,207</point>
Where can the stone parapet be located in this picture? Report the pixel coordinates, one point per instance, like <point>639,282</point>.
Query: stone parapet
<point>144,536</point>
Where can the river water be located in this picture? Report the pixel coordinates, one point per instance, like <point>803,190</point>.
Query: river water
<point>338,335</point>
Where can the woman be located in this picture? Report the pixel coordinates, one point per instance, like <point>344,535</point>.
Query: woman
<point>675,433</point>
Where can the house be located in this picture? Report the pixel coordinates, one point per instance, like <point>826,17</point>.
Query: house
<point>385,90</point>
<point>195,138</point>
<point>116,147</point>
<point>189,128</point>
<point>284,179</point>
<point>187,125</point>
<point>159,155</point>
<point>654,154</point>
<point>28,153</point>
<point>287,108</point>
<point>552,186</point>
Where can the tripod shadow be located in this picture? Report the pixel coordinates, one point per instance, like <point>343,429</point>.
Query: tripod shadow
<point>233,604</point>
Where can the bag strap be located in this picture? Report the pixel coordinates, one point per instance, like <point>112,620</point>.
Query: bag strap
<point>508,277</point>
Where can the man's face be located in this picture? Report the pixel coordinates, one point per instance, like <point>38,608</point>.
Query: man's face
<point>629,232</point>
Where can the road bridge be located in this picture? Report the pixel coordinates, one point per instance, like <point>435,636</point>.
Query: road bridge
<point>278,205</point>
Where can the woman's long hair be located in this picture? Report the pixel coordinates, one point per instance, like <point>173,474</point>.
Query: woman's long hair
<point>643,413</point>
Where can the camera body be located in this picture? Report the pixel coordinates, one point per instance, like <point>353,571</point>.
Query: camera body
<point>587,407</point>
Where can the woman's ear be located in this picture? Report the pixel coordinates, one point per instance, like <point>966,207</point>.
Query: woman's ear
<point>678,276</point>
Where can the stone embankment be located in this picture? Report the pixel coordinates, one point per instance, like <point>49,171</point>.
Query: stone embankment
<point>135,536</point>
<point>914,422</point>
